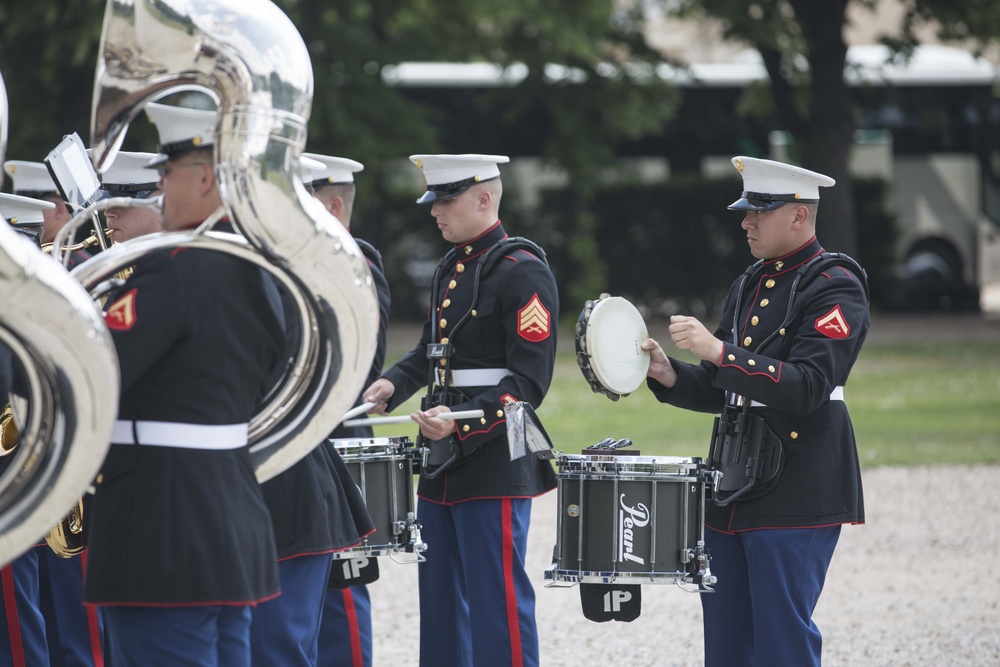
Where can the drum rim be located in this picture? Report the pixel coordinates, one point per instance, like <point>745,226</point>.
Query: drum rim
<point>556,573</point>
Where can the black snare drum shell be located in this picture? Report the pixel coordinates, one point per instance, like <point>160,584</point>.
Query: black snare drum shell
<point>628,525</point>
<point>387,487</point>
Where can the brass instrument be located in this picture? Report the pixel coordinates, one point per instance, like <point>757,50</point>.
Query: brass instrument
<point>58,343</point>
<point>9,433</point>
<point>249,56</point>
<point>66,538</point>
<point>88,242</point>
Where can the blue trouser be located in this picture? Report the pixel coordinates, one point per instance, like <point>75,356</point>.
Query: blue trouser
<point>74,630</point>
<point>22,637</point>
<point>477,606</point>
<point>209,636</point>
<point>345,636</point>
<point>285,629</point>
<point>760,614</point>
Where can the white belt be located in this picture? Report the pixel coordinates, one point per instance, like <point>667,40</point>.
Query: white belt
<point>174,434</point>
<point>474,377</point>
<point>836,395</point>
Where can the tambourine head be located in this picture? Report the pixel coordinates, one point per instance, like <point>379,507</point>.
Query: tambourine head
<point>609,337</point>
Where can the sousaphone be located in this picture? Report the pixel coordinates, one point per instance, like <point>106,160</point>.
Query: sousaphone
<point>54,342</point>
<point>250,57</point>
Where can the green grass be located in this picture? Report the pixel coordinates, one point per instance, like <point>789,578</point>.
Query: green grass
<point>911,403</point>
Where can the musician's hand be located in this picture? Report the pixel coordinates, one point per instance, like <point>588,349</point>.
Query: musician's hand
<point>659,365</point>
<point>688,333</point>
<point>380,391</point>
<point>434,429</point>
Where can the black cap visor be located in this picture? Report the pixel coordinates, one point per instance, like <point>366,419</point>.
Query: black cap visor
<point>760,201</point>
<point>133,190</point>
<point>444,191</point>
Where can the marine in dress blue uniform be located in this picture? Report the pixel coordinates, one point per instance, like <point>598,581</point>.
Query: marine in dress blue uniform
<point>491,338</point>
<point>346,628</point>
<point>180,539</point>
<point>74,632</point>
<point>784,361</point>
<point>32,179</point>
<point>22,635</point>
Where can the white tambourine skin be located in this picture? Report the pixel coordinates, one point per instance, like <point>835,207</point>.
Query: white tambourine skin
<point>615,331</point>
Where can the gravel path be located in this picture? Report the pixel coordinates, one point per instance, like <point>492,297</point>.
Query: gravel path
<point>918,585</point>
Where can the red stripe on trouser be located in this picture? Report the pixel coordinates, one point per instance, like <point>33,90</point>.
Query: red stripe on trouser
<point>93,624</point>
<point>13,622</point>
<point>357,659</point>
<point>513,624</point>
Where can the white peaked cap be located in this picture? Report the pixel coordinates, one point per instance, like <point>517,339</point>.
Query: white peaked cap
<point>20,210</point>
<point>129,169</point>
<point>332,170</point>
<point>451,175</point>
<point>308,168</point>
<point>29,176</point>
<point>768,184</point>
<point>180,129</point>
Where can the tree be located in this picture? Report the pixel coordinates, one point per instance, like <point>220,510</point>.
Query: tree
<point>802,46</point>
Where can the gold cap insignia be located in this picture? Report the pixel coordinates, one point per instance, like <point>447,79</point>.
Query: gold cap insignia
<point>739,165</point>
<point>419,163</point>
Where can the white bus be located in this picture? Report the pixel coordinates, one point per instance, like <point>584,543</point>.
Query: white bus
<point>930,127</point>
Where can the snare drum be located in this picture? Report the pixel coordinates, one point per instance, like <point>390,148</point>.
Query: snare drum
<point>383,469</point>
<point>630,519</point>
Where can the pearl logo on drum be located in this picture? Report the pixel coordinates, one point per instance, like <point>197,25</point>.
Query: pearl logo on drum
<point>630,518</point>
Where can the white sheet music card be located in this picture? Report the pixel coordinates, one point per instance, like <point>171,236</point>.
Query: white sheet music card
<point>73,172</point>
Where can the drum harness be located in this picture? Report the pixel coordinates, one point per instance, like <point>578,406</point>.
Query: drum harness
<point>441,454</point>
<point>743,447</point>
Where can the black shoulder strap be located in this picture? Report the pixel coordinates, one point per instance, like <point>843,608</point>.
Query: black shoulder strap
<point>369,251</point>
<point>806,273</point>
<point>824,261</point>
<point>504,248</point>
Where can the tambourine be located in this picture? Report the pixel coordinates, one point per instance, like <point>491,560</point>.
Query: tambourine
<point>609,336</point>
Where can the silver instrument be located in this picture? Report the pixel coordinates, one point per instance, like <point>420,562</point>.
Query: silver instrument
<point>248,55</point>
<point>58,342</point>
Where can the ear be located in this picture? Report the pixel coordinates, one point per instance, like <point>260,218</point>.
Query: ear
<point>485,198</point>
<point>207,181</point>
<point>335,205</point>
<point>801,217</point>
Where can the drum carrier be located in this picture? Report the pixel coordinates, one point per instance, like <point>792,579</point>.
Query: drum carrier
<point>744,449</point>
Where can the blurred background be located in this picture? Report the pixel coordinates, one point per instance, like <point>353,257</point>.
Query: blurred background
<point>620,118</point>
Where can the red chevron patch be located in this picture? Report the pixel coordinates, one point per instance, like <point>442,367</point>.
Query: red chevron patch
<point>121,315</point>
<point>833,324</point>
<point>533,321</point>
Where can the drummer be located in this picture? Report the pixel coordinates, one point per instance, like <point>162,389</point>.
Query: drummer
<point>788,352</point>
<point>477,605</point>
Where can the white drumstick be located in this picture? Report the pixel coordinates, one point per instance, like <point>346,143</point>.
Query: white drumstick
<point>360,410</point>
<point>378,421</point>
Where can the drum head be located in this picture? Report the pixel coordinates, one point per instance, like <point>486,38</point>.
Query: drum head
<point>614,334</point>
